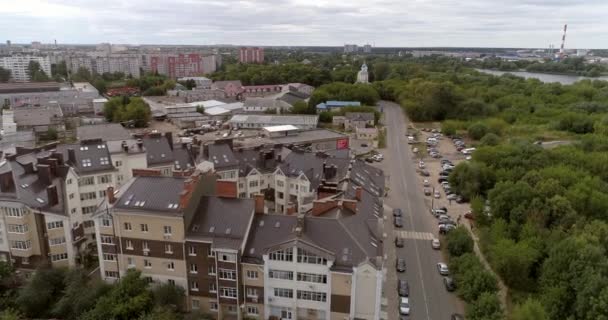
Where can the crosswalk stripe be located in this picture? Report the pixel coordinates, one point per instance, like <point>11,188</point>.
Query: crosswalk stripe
<point>415,235</point>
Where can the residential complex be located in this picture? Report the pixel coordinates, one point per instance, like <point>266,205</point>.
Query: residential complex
<point>251,55</point>
<point>129,64</point>
<point>180,65</point>
<point>18,65</point>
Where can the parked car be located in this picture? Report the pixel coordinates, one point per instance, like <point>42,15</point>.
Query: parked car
<point>425,173</point>
<point>449,284</point>
<point>456,316</point>
<point>435,244</point>
<point>427,192</point>
<point>469,215</point>
<point>435,155</point>
<point>404,306</point>
<point>369,159</point>
<point>442,179</point>
<point>445,228</point>
<point>397,212</point>
<point>443,269</point>
<point>437,195</point>
<point>421,165</point>
<point>438,212</point>
<point>468,151</point>
<point>452,196</point>
<point>426,183</point>
<point>444,161</point>
<point>398,222</point>
<point>400,265</point>
<point>415,150</point>
<point>399,242</point>
<point>403,288</point>
<point>460,199</point>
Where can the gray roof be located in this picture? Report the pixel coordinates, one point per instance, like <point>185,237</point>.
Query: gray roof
<point>158,150</point>
<point>271,103</point>
<point>311,164</point>
<point>222,156</point>
<point>310,120</point>
<point>89,156</point>
<point>222,84</point>
<point>224,221</point>
<point>37,116</point>
<point>152,194</point>
<point>292,97</point>
<point>360,116</point>
<point>108,131</point>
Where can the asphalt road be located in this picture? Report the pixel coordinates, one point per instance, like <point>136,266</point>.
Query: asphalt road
<point>428,296</point>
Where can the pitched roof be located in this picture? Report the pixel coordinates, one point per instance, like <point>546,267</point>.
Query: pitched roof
<point>89,156</point>
<point>222,84</point>
<point>266,103</point>
<point>108,131</point>
<point>360,116</point>
<point>152,194</point>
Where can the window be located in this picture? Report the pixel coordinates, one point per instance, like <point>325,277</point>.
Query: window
<point>228,292</point>
<point>227,274</point>
<point>54,225</point>
<point>144,227</point>
<point>21,245</point>
<point>130,262</point>
<point>212,288</point>
<point>106,178</point>
<point>252,292</point>
<point>192,250</point>
<point>170,266</point>
<point>252,274</point>
<point>107,240</point>
<point>56,241</point>
<point>145,246</point>
<point>88,196</point>
<point>71,196</point>
<point>211,270</point>
<point>89,223</point>
<point>193,268</point>
<point>73,210</point>
<point>283,293</point>
<point>280,183</point>
<point>210,252</point>
<point>194,285</point>
<point>69,181</point>
<point>129,244</point>
<point>147,264</point>
<point>280,195</point>
<point>104,161</point>
<point>109,257</point>
<point>18,228</point>
<point>86,181</point>
<point>105,222</point>
<point>90,209</point>
<point>280,274</point>
<point>228,257</point>
<point>252,310</point>
<point>171,282</point>
<point>196,304</point>
<point>243,195</point>
<point>213,306</point>
<point>112,274</point>
<point>168,249</point>
<point>128,226</point>
<point>307,257</point>
<point>253,184</point>
<point>167,230</point>
<point>119,177</point>
<point>118,163</point>
<point>102,194</point>
<point>86,162</point>
<point>311,277</point>
<point>14,212</point>
<point>59,257</point>
<point>282,255</point>
<point>312,296</point>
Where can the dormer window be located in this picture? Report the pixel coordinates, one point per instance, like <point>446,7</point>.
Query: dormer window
<point>86,162</point>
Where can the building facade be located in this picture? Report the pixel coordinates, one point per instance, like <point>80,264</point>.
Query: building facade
<point>251,55</point>
<point>18,65</point>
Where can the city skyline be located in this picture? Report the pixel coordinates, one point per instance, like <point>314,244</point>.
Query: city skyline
<point>445,23</point>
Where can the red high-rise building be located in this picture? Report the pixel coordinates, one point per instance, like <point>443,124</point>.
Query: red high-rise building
<point>251,55</point>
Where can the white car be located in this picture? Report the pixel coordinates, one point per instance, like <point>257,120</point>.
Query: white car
<point>404,306</point>
<point>415,150</point>
<point>421,165</point>
<point>435,244</point>
<point>437,195</point>
<point>443,269</point>
<point>426,183</point>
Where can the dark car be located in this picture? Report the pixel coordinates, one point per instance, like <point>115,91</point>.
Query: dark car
<point>398,222</point>
<point>403,288</point>
<point>456,316</point>
<point>370,160</point>
<point>446,161</point>
<point>399,243</point>
<point>400,265</point>
<point>449,284</point>
<point>442,179</point>
<point>445,228</point>
<point>460,199</point>
<point>397,212</point>
<point>425,173</point>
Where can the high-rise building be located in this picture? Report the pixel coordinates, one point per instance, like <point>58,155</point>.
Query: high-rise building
<point>351,48</point>
<point>18,65</point>
<point>180,65</point>
<point>367,48</point>
<point>251,55</point>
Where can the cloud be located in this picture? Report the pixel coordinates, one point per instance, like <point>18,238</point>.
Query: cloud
<point>479,23</point>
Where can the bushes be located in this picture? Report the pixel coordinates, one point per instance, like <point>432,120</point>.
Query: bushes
<point>477,130</point>
<point>471,179</point>
<point>490,139</point>
<point>471,278</point>
<point>459,242</point>
<point>486,307</point>
<point>129,111</point>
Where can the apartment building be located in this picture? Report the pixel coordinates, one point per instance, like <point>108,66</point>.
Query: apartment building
<point>180,65</point>
<point>237,262</point>
<point>251,55</point>
<point>129,64</point>
<point>18,65</point>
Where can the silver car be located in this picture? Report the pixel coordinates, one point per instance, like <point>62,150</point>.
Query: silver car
<point>443,269</point>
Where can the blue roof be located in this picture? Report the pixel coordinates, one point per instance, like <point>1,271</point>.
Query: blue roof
<point>337,104</point>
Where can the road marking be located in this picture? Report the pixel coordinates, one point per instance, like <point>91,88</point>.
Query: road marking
<point>394,126</point>
<point>415,235</point>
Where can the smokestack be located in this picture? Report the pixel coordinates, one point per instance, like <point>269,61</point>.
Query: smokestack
<point>7,183</point>
<point>44,173</point>
<point>110,195</point>
<point>53,197</point>
<point>72,156</point>
<point>259,203</point>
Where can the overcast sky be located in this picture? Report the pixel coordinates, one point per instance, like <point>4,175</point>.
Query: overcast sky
<point>397,23</point>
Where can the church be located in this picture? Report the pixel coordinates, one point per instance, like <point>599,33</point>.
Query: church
<point>362,75</point>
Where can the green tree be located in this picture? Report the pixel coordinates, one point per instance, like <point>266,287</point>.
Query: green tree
<point>477,130</point>
<point>5,75</point>
<point>380,71</point>
<point>168,295</point>
<point>486,307</point>
<point>459,242</point>
<point>82,74</point>
<point>36,72</point>
<point>489,139</point>
<point>37,298</point>
<point>10,314</point>
<point>514,263</point>
<point>79,296</point>
<point>129,299</point>
<point>301,107</point>
<point>471,179</point>
<point>529,310</point>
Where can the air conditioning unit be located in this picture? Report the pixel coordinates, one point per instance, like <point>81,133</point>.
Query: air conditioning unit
<point>146,252</point>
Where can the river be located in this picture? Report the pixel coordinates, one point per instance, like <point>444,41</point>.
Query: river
<point>544,77</point>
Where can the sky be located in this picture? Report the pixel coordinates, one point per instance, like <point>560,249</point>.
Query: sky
<point>382,23</point>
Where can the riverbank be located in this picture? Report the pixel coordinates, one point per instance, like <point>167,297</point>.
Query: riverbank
<point>544,77</point>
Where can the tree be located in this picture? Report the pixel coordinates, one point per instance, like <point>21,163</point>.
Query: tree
<point>79,296</point>
<point>5,75</point>
<point>459,242</point>
<point>10,314</point>
<point>471,179</point>
<point>300,107</point>
<point>169,295</point>
<point>82,74</point>
<point>160,313</point>
<point>477,130</point>
<point>380,71</point>
<point>514,262</point>
<point>486,307</point>
<point>489,139</point>
<point>129,299</point>
<point>36,72</point>
<point>41,292</point>
<point>531,309</point>
<point>132,111</point>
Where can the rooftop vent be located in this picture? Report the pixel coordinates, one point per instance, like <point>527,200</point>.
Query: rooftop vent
<point>211,230</point>
<point>261,223</point>
<point>39,200</point>
<point>25,185</point>
<point>195,227</point>
<point>228,231</point>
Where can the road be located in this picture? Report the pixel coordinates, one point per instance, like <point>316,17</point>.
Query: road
<point>428,297</point>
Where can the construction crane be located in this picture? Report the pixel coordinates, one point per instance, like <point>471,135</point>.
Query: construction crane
<point>562,53</point>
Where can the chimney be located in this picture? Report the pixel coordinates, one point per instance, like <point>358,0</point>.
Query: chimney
<point>53,163</point>
<point>29,167</point>
<point>169,136</point>
<point>124,146</point>
<point>71,156</point>
<point>259,203</point>
<point>140,143</point>
<point>53,197</point>
<point>44,173</point>
<point>358,193</point>
<point>58,156</point>
<point>186,194</point>
<point>300,224</point>
<point>7,183</point>
<point>110,195</point>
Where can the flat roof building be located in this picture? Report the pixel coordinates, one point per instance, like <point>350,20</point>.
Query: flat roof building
<point>304,122</point>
